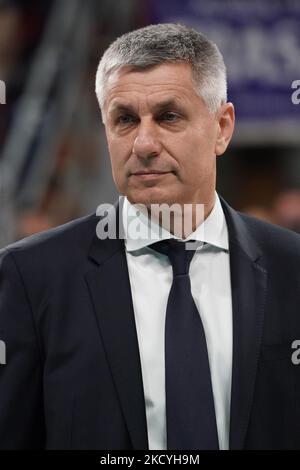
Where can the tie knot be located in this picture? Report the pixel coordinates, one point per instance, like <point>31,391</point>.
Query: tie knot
<point>180,257</point>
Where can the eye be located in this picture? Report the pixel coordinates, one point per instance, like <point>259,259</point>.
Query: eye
<point>125,119</point>
<point>169,116</point>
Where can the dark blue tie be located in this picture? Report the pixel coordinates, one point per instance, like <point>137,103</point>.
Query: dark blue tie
<point>190,412</point>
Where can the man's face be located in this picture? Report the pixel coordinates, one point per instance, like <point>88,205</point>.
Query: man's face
<point>162,139</point>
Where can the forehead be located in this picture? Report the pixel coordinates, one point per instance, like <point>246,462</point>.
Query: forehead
<point>165,81</point>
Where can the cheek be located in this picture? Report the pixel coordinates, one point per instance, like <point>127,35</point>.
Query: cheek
<point>117,152</point>
<point>197,160</point>
<point>120,148</point>
<point>116,164</point>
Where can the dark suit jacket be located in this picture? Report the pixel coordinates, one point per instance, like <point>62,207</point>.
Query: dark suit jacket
<point>72,378</point>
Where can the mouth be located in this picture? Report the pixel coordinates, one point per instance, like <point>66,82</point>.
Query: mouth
<point>150,174</point>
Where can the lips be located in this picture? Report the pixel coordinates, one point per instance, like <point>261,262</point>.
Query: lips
<point>152,172</point>
<point>150,176</point>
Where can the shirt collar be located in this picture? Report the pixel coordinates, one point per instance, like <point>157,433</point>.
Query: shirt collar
<point>212,231</point>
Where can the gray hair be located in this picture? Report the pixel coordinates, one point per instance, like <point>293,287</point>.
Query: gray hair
<point>156,44</point>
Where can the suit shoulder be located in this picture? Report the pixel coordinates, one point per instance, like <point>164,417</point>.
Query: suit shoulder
<point>69,235</point>
<point>271,236</point>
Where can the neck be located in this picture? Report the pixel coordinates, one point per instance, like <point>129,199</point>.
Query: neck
<point>180,219</point>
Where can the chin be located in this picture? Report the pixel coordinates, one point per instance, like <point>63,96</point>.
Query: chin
<point>151,196</point>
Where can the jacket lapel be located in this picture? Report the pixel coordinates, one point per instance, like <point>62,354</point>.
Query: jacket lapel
<point>109,287</point>
<point>249,286</point>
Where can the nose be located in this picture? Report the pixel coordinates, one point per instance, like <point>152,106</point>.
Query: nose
<point>146,143</point>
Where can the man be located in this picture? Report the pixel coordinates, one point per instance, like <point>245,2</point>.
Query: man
<point>131,343</point>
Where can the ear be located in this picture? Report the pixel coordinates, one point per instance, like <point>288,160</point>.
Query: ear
<point>225,117</point>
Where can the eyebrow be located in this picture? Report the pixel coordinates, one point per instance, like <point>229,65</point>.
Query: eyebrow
<point>167,104</point>
<point>120,107</point>
<point>171,103</point>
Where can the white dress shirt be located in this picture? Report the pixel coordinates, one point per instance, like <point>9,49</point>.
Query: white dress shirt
<point>151,277</point>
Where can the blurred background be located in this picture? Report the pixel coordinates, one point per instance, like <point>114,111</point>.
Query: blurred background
<point>54,164</point>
